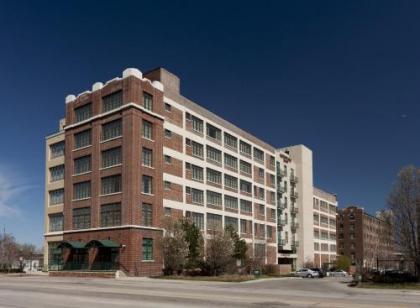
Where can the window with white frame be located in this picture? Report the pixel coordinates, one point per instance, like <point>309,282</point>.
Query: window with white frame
<point>246,187</point>
<point>245,148</point>
<point>214,154</point>
<point>147,184</point>
<point>231,162</point>
<point>197,196</point>
<point>112,101</point>
<point>81,190</point>
<point>111,215</point>
<point>83,139</point>
<point>82,164</point>
<point>231,202</point>
<point>147,157</point>
<point>147,101</point>
<point>56,196</point>
<point>231,221</point>
<point>81,218</point>
<point>214,222</point>
<point>197,173</point>
<point>111,157</point>
<point>214,198</point>
<point>147,130</point>
<point>245,167</point>
<point>231,141</point>
<point>57,173</point>
<point>214,176</point>
<point>57,149</point>
<point>112,130</point>
<point>214,132</point>
<point>246,206</point>
<point>56,222</point>
<point>83,112</point>
<point>258,154</point>
<point>197,149</point>
<point>111,184</point>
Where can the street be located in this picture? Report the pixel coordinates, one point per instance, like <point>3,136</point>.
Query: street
<point>44,291</point>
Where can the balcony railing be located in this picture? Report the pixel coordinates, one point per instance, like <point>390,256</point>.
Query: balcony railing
<point>281,189</point>
<point>294,195</point>
<point>281,222</point>
<point>293,179</point>
<point>281,173</point>
<point>282,205</point>
<point>282,242</point>
<point>294,225</point>
<point>295,244</point>
<point>294,209</point>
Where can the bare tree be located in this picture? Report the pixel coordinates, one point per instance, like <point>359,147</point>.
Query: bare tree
<point>8,250</point>
<point>219,250</point>
<point>404,202</point>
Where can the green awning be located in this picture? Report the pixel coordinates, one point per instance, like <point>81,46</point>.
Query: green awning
<point>72,244</point>
<point>103,244</point>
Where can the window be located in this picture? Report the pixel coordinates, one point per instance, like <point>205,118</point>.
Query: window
<point>316,219</point>
<point>214,132</point>
<point>56,196</point>
<point>231,182</point>
<point>83,113</point>
<point>111,157</point>
<point>231,202</point>
<point>81,218</point>
<point>112,130</point>
<point>246,206</point>
<point>316,246</point>
<point>214,176</point>
<point>82,164</point>
<point>261,209</point>
<point>111,215</point>
<point>166,185</point>
<point>147,184</point>
<point>272,161</point>
<point>324,247</point>
<point>168,107</point>
<point>146,214</point>
<point>245,167</point>
<point>231,141</point>
<point>82,139</point>
<point>231,162</point>
<point>259,193</point>
<point>197,124</point>
<point>147,249</point>
<point>81,190</point>
<point>197,149</point>
<point>147,130</point>
<point>112,101</point>
<point>147,101</point>
<point>57,149</point>
<point>168,211</point>
<point>214,154</point>
<point>261,173</point>
<point>197,173</point>
<point>245,148</point>
<point>324,235</point>
<point>168,159</point>
<point>258,155</point>
<point>197,219</point>
<point>269,232</point>
<point>231,221</point>
<point>244,226</point>
<point>197,196</point>
<point>168,133</point>
<point>111,184</point>
<point>147,157</point>
<point>246,187</point>
<point>214,222</point>
<point>57,173</point>
<point>56,222</point>
<point>214,198</point>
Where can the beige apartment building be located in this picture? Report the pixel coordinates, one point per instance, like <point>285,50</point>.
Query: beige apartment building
<point>134,150</point>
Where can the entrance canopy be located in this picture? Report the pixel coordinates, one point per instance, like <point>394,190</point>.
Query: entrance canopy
<point>102,244</point>
<point>72,244</point>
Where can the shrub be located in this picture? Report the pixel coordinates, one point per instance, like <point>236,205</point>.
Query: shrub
<point>393,277</point>
<point>270,269</point>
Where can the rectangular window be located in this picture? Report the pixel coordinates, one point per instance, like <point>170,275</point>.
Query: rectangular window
<point>82,164</point>
<point>214,154</point>
<point>168,133</point>
<point>166,185</point>
<point>231,162</point>
<point>246,187</point>
<point>57,173</point>
<point>111,215</point>
<point>231,182</point>
<point>197,124</point>
<point>259,193</point>
<point>168,159</point>
<point>214,176</point>
<point>197,173</point>
<point>82,139</point>
<point>231,141</point>
<point>259,155</point>
<point>147,187</point>
<point>261,209</point>
<point>246,206</point>
<point>214,222</point>
<point>112,130</point>
<point>147,101</point>
<point>245,148</point>
<point>214,132</point>
<point>231,221</point>
<point>111,184</point>
<point>146,214</point>
<point>57,196</point>
<point>112,101</point>
<point>111,157</point>
<point>197,149</point>
<point>81,218</point>
<point>197,196</point>
<point>245,167</point>
<point>214,198</point>
<point>147,157</point>
<point>231,202</point>
<point>56,222</point>
<point>83,112</point>
<point>168,107</point>
<point>147,130</point>
<point>272,161</point>
<point>197,219</point>
<point>81,190</point>
<point>261,173</point>
<point>57,149</point>
<point>244,226</point>
<point>147,249</point>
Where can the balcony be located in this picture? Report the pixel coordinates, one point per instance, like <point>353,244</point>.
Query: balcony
<point>282,205</point>
<point>293,179</point>
<point>294,225</point>
<point>295,244</point>
<point>281,222</point>
<point>294,195</point>
<point>294,210</point>
<point>281,189</point>
<point>282,242</point>
<point>281,173</point>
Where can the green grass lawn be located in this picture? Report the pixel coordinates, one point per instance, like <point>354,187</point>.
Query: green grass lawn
<point>395,286</point>
<point>221,278</point>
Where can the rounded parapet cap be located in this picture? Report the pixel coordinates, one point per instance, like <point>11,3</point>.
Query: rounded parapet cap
<point>158,85</point>
<point>97,86</point>
<point>70,98</point>
<point>132,72</point>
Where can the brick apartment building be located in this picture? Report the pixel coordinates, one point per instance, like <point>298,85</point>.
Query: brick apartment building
<point>134,150</point>
<point>364,238</point>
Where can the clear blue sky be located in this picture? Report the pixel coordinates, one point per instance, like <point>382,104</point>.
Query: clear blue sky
<point>341,77</point>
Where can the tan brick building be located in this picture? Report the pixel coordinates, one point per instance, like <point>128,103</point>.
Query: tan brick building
<point>134,150</point>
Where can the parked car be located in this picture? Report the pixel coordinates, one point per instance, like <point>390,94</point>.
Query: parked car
<point>338,273</point>
<point>306,273</point>
<point>321,273</point>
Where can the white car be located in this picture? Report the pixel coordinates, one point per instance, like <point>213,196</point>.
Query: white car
<point>306,273</point>
<point>337,273</point>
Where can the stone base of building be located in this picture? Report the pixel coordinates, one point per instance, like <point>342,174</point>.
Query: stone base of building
<point>82,274</point>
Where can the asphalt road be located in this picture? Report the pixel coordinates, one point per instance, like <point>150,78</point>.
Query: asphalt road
<point>45,292</point>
